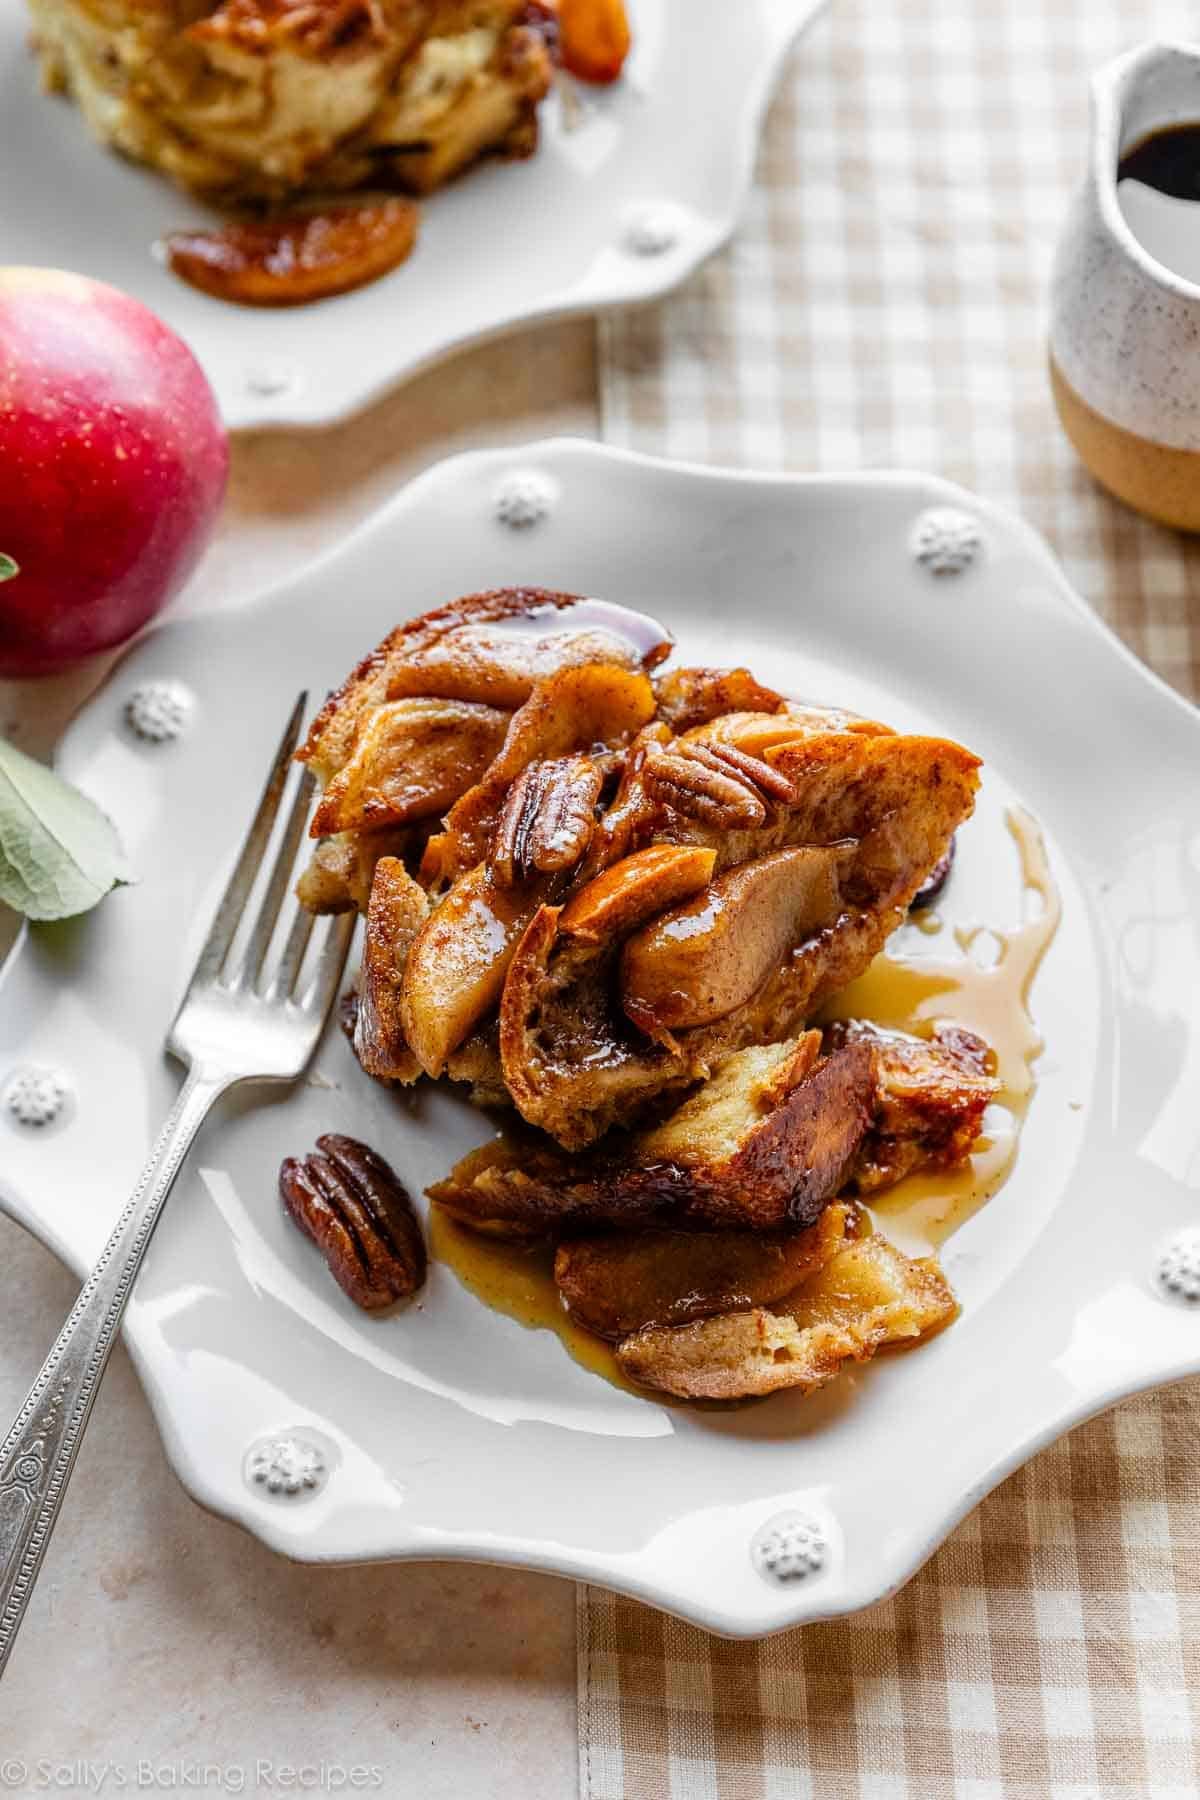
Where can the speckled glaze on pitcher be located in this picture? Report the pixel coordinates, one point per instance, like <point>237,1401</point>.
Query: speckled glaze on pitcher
<point>1124,328</point>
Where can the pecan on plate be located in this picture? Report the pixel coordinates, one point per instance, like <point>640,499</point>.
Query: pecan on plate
<point>547,819</point>
<point>357,1212</point>
<point>715,783</point>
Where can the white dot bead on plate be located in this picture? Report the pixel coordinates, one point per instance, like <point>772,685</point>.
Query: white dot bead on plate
<point>945,540</point>
<point>789,1548</point>
<point>36,1097</point>
<point>287,1468</point>
<point>652,229</point>
<point>524,497</point>
<point>1178,1270</point>
<point>158,711</point>
<point>267,379</point>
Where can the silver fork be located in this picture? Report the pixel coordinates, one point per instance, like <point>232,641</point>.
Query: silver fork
<point>245,1022</point>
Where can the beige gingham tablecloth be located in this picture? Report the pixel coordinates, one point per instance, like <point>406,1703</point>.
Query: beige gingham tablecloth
<point>883,305</point>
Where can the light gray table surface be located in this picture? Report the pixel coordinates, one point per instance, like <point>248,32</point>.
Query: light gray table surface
<point>162,1638</point>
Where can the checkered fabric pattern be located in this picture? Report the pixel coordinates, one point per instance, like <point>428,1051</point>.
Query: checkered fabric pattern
<point>884,306</point>
<point>1049,1651</point>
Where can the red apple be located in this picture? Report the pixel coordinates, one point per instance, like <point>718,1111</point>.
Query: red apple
<point>113,462</point>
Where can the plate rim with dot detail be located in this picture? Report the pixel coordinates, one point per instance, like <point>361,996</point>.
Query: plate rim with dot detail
<point>643,182</point>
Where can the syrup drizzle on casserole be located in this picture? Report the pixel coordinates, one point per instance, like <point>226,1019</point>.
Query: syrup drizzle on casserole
<point>985,987</point>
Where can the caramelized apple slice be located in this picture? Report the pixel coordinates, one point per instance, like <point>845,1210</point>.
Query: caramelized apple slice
<point>593,38</point>
<point>297,257</point>
<point>490,647</point>
<point>756,733</point>
<point>501,658</point>
<point>573,709</point>
<point>699,961</point>
<point>457,964</point>
<point>412,760</point>
<point>634,889</point>
<point>398,908</point>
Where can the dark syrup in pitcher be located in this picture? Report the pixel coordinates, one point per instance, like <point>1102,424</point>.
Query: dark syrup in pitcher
<point>1168,160</point>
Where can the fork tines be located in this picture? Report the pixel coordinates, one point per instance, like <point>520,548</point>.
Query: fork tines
<point>247,967</point>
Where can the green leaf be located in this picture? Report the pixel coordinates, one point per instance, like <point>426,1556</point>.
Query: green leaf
<point>59,854</point>
<point>8,568</point>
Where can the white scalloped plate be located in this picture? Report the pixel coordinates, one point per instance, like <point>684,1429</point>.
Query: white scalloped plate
<point>452,1431</point>
<point>632,188</point>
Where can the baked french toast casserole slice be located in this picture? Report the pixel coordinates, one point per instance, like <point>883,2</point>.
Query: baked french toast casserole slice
<point>258,101</point>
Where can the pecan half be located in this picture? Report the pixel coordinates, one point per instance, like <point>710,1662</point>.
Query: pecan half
<point>751,770</point>
<point>357,1212</point>
<point>547,819</point>
<point>715,783</point>
<point>710,795</point>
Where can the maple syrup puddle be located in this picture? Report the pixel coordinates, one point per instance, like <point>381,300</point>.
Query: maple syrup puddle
<point>518,1279</point>
<point>985,986</point>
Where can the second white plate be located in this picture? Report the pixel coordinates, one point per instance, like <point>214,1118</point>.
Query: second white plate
<point>632,187</point>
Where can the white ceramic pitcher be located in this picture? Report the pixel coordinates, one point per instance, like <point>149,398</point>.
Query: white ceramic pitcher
<point>1125,327</point>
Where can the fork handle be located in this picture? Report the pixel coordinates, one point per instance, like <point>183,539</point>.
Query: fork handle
<point>38,1455</point>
